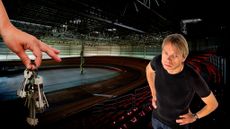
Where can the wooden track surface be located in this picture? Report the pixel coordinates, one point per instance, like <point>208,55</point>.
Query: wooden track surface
<point>70,101</point>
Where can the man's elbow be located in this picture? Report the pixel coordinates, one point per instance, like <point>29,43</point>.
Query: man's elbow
<point>216,104</point>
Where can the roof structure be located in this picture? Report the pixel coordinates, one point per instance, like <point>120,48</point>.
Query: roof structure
<point>192,17</point>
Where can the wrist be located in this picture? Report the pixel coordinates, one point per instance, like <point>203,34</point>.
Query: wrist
<point>4,28</point>
<point>154,96</point>
<point>195,116</point>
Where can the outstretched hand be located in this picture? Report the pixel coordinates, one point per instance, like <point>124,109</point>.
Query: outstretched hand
<point>19,41</point>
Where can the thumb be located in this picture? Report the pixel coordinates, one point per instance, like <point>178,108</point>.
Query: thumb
<point>25,59</point>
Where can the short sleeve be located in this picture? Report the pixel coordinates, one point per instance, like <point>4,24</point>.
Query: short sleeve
<point>155,61</point>
<point>201,87</point>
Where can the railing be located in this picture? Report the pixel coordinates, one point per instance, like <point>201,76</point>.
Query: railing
<point>90,49</point>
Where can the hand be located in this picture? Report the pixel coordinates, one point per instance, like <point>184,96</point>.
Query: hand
<point>186,119</point>
<point>154,102</point>
<point>19,41</point>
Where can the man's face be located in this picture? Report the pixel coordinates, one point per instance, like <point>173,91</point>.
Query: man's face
<point>172,58</point>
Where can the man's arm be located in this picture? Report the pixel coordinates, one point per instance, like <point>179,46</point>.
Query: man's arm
<point>210,105</point>
<point>150,74</point>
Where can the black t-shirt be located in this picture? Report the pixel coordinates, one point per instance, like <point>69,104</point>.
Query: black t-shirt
<point>175,91</point>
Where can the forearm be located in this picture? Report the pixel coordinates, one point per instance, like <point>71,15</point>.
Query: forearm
<point>211,105</point>
<point>150,74</point>
<point>4,19</point>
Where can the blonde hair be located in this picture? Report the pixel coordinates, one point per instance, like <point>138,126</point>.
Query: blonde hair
<point>179,42</point>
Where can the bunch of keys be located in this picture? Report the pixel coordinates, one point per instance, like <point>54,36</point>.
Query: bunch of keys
<point>32,91</point>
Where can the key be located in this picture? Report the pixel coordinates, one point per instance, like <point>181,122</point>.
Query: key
<point>41,101</point>
<point>29,98</point>
<point>45,99</point>
<point>32,89</point>
<point>21,91</point>
<point>32,120</point>
<point>30,101</point>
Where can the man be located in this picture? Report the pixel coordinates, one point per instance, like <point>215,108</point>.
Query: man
<point>19,41</point>
<point>173,85</point>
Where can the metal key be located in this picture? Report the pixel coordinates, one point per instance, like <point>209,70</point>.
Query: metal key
<point>31,101</point>
<point>41,100</point>
<point>21,91</point>
<point>32,120</point>
<point>37,83</point>
<point>32,89</point>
